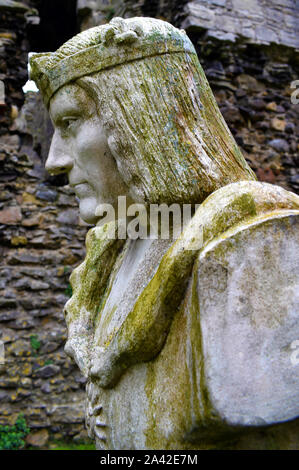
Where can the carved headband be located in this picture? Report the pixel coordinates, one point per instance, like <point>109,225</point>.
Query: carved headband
<point>101,47</point>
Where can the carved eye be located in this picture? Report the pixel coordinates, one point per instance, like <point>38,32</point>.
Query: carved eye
<point>68,121</point>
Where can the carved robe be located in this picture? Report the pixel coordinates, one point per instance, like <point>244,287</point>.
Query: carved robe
<point>201,349</point>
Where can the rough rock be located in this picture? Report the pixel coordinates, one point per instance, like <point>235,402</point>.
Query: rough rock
<point>279,144</point>
<point>38,439</point>
<point>260,22</point>
<point>11,215</point>
<point>47,371</point>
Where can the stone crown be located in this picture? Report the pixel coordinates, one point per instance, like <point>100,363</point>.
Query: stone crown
<point>104,46</point>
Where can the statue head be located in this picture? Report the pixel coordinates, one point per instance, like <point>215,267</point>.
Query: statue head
<point>134,115</point>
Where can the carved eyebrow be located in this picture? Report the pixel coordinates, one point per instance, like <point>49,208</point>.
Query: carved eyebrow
<point>59,116</point>
<point>74,108</point>
<point>60,109</point>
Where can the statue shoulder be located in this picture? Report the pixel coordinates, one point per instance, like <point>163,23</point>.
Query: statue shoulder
<point>246,279</point>
<point>233,206</point>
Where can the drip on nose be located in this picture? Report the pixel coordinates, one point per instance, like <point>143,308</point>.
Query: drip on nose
<point>58,161</point>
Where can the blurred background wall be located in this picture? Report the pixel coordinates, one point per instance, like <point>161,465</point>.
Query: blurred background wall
<point>249,51</point>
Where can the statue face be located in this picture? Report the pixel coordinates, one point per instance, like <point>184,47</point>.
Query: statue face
<point>80,149</point>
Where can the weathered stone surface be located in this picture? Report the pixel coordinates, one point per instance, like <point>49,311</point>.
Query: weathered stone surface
<point>38,439</point>
<point>248,298</point>
<point>8,315</point>
<point>254,217</point>
<point>69,217</point>
<point>280,145</point>
<point>67,413</point>
<point>21,348</point>
<point>278,124</point>
<point>11,215</point>
<point>46,194</point>
<point>256,21</point>
<point>47,371</point>
<point>34,120</point>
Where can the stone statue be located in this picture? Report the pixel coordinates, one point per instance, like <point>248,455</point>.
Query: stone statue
<point>184,345</point>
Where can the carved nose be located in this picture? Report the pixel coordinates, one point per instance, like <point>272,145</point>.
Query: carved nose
<point>59,160</point>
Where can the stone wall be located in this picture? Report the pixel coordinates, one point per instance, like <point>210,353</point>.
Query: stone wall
<point>42,238</point>
<point>259,21</point>
<point>252,87</point>
<point>93,12</point>
<point>41,241</point>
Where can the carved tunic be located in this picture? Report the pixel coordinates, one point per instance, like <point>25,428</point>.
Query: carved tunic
<point>172,366</point>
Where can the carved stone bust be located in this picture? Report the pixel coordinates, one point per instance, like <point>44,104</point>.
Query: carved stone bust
<point>184,345</point>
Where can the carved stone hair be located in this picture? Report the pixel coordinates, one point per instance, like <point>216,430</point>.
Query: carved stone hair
<point>165,130</point>
<point>164,127</point>
<point>105,46</point>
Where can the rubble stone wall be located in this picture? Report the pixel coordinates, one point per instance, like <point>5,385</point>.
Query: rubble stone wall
<point>260,21</point>
<point>41,240</point>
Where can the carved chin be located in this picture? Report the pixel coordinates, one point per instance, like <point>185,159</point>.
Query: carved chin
<point>87,207</point>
